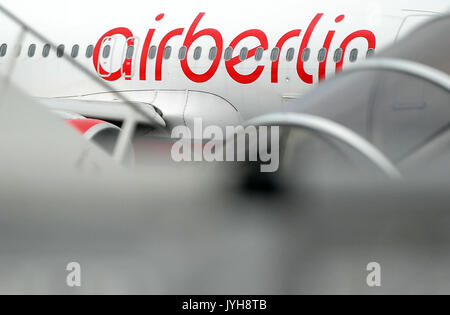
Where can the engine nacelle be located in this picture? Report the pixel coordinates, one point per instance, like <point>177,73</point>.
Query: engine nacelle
<point>102,133</point>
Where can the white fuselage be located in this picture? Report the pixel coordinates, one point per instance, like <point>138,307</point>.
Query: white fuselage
<point>252,85</point>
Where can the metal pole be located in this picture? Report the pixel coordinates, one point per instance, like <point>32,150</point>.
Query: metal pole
<point>125,138</point>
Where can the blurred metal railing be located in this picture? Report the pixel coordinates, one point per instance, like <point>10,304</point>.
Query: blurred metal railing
<point>333,130</point>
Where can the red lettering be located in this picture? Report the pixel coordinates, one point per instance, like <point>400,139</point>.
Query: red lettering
<point>162,47</point>
<point>281,42</point>
<point>144,59</point>
<point>127,67</point>
<point>368,35</point>
<point>191,37</point>
<point>326,45</point>
<point>307,78</point>
<point>230,64</point>
<point>115,75</point>
<point>323,64</point>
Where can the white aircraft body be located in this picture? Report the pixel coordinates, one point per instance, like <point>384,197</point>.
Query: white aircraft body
<point>224,61</point>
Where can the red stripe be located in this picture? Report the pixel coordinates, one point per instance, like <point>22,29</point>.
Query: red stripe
<point>83,125</point>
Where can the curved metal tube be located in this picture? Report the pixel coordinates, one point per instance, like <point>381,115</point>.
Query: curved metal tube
<point>334,130</point>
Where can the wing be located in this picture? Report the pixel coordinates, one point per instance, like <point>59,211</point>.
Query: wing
<point>106,110</point>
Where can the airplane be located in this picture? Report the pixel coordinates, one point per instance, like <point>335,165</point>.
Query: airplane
<point>225,62</point>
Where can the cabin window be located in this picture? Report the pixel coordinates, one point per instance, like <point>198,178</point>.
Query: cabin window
<point>290,54</point>
<point>353,55</point>
<point>274,54</point>
<point>197,53</point>
<point>337,55</point>
<point>322,55</point>
<point>228,53</point>
<point>370,52</point>
<point>46,50</point>
<point>130,52</point>
<point>3,50</point>
<point>167,52</point>
<point>89,51</point>
<point>212,53</point>
<point>243,54</point>
<point>60,51</point>
<point>152,52</point>
<point>75,51</point>
<point>259,53</point>
<point>182,53</point>
<point>306,54</point>
<point>31,50</point>
<point>106,51</point>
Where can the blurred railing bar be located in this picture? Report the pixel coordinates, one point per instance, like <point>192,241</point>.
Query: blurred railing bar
<point>126,135</point>
<point>334,130</point>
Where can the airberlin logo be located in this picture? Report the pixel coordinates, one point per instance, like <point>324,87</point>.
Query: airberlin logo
<point>195,32</point>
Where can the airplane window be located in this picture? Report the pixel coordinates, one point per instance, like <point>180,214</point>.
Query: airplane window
<point>75,50</point>
<point>290,54</point>
<point>353,55</point>
<point>259,53</point>
<point>337,55</point>
<point>305,55</point>
<point>46,50</point>
<point>3,50</point>
<point>106,51</point>
<point>60,51</point>
<point>275,53</point>
<point>322,55</point>
<point>197,53</point>
<point>213,53</point>
<point>167,52</point>
<point>243,54</point>
<point>89,51</point>
<point>18,50</point>
<point>31,50</point>
<point>182,53</point>
<point>152,52</point>
<point>370,52</point>
<point>228,53</point>
<point>130,52</point>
